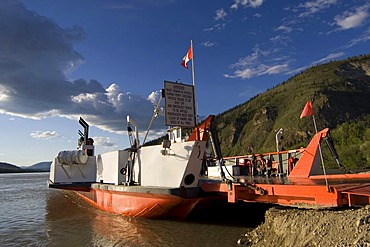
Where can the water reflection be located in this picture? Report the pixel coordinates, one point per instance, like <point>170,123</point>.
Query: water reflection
<point>70,221</point>
<point>33,215</point>
<point>67,221</point>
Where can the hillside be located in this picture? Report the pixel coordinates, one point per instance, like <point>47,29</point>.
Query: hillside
<point>6,167</point>
<point>39,167</point>
<point>340,93</point>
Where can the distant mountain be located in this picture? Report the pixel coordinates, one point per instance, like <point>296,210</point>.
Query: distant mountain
<point>6,167</point>
<point>41,166</point>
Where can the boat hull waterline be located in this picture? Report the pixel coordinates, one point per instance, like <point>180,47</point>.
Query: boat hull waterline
<point>140,204</point>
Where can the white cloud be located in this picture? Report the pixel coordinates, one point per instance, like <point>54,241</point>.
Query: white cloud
<point>35,62</point>
<point>276,69</point>
<point>243,74</point>
<point>365,36</point>
<point>259,63</point>
<point>208,44</point>
<point>108,109</point>
<point>352,19</point>
<point>329,57</point>
<point>217,27</point>
<point>285,29</point>
<point>312,7</point>
<point>44,134</point>
<point>247,3</point>
<point>281,40</point>
<point>220,14</point>
<point>103,141</point>
<point>154,97</point>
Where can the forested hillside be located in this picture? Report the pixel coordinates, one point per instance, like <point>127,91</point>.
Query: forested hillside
<point>340,94</point>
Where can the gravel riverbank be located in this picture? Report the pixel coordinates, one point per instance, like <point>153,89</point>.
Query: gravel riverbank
<point>303,227</point>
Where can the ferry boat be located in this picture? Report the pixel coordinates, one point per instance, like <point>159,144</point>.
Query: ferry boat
<point>140,181</point>
<point>170,179</point>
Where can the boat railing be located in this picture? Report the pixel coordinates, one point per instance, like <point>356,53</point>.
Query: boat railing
<point>282,162</point>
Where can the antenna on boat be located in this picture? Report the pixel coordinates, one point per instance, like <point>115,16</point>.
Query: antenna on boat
<point>80,133</point>
<point>277,136</point>
<point>86,129</point>
<point>134,143</point>
<point>155,114</point>
<point>82,141</point>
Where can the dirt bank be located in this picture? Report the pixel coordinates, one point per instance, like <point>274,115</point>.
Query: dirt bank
<point>300,227</point>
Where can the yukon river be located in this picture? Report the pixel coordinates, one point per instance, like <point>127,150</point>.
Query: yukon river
<point>34,215</point>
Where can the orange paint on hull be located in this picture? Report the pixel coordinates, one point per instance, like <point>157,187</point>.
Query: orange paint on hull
<point>140,204</point>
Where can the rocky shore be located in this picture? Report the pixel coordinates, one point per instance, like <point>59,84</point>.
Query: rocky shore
<point>303,227</point>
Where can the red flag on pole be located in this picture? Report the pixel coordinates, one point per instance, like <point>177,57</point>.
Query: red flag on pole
<point>307,110</point>
<point>187,58</point>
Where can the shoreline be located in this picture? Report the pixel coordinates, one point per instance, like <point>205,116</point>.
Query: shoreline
<point>2,171</point>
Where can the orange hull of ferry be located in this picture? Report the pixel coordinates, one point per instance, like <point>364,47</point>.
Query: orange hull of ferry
<point>140,204</point>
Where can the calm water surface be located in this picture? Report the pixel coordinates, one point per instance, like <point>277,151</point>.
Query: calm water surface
<point>33,215</point>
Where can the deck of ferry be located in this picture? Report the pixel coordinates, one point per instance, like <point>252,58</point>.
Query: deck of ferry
<point>316,191</point>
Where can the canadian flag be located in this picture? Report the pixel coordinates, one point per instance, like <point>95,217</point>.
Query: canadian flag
<point>307,110</point>
<point>187,58</point>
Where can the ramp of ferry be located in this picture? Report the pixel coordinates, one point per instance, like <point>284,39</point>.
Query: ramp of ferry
<point>298,185</point>
<point>307,193</point>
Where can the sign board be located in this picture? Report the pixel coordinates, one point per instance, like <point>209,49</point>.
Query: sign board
<point>179,107</point>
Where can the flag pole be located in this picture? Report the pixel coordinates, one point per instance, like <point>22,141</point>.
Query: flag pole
<point>322,159</point>
<point>308,111</point>
<point>193,78</point>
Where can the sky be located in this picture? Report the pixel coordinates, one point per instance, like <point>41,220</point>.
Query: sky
<point>105,59</point>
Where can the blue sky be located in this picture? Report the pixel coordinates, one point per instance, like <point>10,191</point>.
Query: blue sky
<point>102,60</point>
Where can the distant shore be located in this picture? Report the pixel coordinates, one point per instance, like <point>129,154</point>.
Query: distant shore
<point>39,167</point>
<point>21,171</point>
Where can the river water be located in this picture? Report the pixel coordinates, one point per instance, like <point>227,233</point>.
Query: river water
<point>33,215</point>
